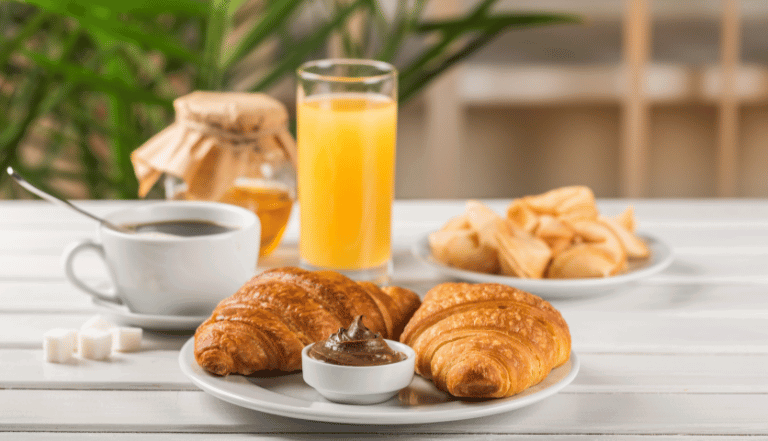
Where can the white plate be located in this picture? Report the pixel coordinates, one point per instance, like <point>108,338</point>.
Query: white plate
<point>420,402</point>
<point>121,315</point>
<point>661,257</point>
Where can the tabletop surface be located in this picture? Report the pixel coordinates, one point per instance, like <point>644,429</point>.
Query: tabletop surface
<point>679,355</point>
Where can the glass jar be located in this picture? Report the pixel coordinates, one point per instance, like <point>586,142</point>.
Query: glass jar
<point>267,188</point>
<point>229,147</point>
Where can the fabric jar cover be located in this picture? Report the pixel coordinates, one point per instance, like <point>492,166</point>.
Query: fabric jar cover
<point>216,137</point>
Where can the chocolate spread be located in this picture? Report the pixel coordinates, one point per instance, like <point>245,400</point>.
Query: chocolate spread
<point>356,346</point>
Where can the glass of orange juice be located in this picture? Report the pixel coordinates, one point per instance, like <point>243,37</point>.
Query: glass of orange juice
<point>347,122</point>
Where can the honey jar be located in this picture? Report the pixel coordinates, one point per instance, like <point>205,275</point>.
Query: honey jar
<point>227,147</point>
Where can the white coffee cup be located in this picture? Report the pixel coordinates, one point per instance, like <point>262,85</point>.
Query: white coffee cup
<point>173,275</point>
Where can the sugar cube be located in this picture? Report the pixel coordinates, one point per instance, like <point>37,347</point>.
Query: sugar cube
<point>94,344</point>
<point>126,339</point>
<point>59,345</point>
<point>97,322</point>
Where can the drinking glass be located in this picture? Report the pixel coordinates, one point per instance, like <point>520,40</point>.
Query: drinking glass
<point>347,122</point>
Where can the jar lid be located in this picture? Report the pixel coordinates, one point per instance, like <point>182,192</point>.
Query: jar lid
<point>239,112</point>
<point>216,137</point>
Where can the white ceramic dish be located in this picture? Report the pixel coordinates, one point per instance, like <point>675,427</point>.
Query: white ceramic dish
<point>122,316</point>
<point>420,402</point>
<point>661,258</point>
<point>359,384</point>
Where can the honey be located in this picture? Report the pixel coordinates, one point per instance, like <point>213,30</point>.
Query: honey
<point>271,203</point>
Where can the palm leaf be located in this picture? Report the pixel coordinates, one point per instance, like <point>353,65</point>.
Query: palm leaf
<point>210,75</point>
<point>495,22</point>
<point>275,15</point>
<point>191,8</point>
<point>110,23</point>
<point>302,49</point>
<point>30,27</point>
<point>418,73</point>
<point>110,84</point>
<point>120,116</point>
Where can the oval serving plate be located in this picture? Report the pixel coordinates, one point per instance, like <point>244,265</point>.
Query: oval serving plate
<point>661,258</point>
<point>420,402</point>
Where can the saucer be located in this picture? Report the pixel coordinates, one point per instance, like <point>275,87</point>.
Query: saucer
<point>550,289</point>
<point>122,316</point>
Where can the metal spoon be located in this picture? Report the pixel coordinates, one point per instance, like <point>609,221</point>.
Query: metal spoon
<point>51,198</point>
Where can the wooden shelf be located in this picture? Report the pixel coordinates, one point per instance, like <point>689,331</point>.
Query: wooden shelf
<point>497,84</point>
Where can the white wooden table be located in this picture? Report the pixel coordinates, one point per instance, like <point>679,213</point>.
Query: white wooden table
<point>678,356</point>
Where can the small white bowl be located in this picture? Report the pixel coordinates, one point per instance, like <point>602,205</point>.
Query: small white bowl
<point>359,384</point>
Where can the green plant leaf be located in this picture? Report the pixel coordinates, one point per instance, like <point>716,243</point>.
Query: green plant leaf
<point>274,16</point>
<point>192,8</point>
<point>33,92</point>
<point>121,146</point>
<point>127,34</point>
<point>493,27</point>
<point>414,76</point>
<point>495,22</point>
<point>78,74</point>
<point>210,76</point>
<point>12,135</point>
<point>401,23</point>
<point>30,27</point>
<point>109,21</point>
<point>302,49</point>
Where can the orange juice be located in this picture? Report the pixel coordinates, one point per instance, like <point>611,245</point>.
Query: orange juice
<point>346,167</point>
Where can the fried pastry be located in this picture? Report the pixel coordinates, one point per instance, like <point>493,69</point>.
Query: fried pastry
<point>521,254</point>
<point>463,249</point>
<point>557,234</point>
<point>634,247</point>
<point>600,236</point>
<point>486,340</point>
<point>537,229</point>
<point>568,203</point>
<point>627,219</point>
<point>581,261</point>
<point>522,215</point>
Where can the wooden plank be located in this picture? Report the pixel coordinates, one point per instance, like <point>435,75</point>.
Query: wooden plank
<point>737,332</point>
<point>25,331</point>
<point>40,216</point>
<point>636,113</point>
<point>670,299</point>
<point>35,436</point>
<point>33,212</point>
<point>141,370</point>
<point>728,117</point>
<point>600,372</point>
<point>734,331</point>
<point>444,120</point>
<point>49,240</point>
<point>688,266</point>
<point>493,84</point>
<point>671,373</point>
<point>652,296</point>
<point>726,236</point>
<point>564,413</point>
<point>37,296</point>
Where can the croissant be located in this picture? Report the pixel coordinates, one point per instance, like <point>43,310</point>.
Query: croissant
<point>268,321</point>
<point>486,340</point>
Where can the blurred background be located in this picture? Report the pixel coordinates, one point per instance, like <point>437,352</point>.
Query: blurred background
<point>502,98</point>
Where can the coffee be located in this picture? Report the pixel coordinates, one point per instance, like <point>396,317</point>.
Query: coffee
<point>183,227</point>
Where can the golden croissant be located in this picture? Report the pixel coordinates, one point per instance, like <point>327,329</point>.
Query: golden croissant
<point>486,340</point>
<point>266,324</point>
